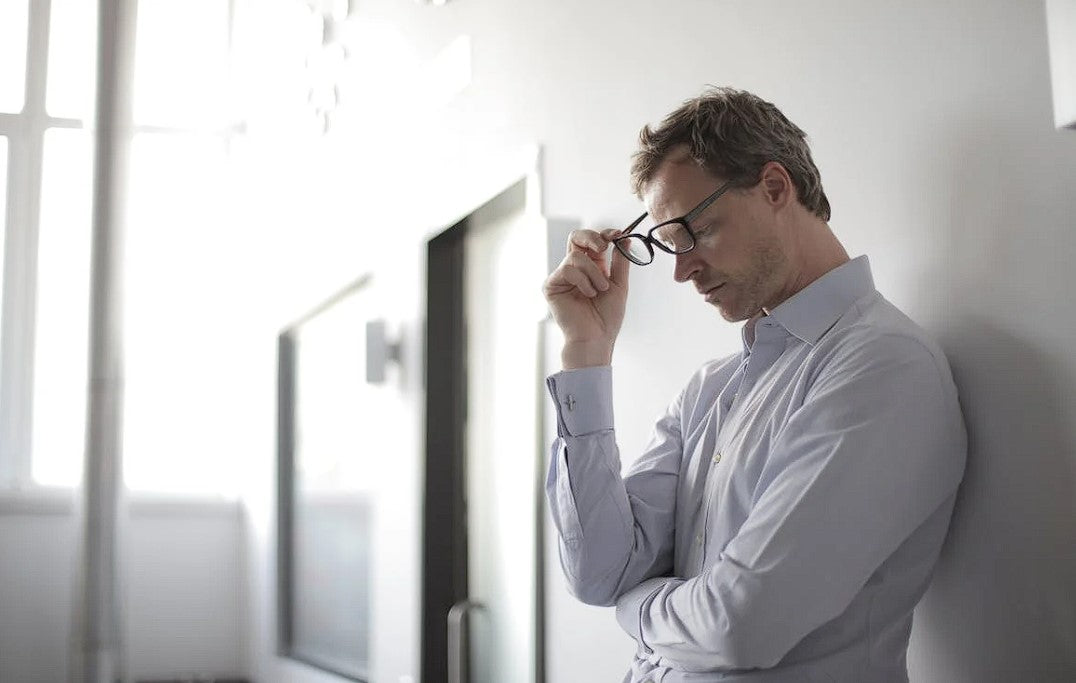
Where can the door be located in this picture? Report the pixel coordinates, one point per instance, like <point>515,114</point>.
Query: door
<point>482,588</point>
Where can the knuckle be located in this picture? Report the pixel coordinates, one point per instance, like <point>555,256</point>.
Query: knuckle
<point>579,262</point>
<point>583,237</point>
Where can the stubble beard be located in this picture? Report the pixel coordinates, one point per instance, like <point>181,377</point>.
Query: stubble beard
<point>756,286</point>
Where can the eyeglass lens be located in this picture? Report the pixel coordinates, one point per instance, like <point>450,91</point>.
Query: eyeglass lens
<point>634,247</point>
<point>674,237</point>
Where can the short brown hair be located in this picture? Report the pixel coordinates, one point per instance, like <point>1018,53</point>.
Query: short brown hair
<point>732,134</point>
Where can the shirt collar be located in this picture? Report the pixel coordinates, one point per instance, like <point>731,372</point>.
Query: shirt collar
<point>810,312</point>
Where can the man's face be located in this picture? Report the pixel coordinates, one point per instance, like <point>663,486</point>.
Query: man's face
<point>739,263</point>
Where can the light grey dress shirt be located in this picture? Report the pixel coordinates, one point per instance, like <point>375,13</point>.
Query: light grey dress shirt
<point>787,513</point>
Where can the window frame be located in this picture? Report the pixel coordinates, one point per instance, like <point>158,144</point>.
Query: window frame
<point>25,132</point>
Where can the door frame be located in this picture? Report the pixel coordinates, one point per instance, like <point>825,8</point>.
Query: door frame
<point>444,512</point>
<point>444,559</point>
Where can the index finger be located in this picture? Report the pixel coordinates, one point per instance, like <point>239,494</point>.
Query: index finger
<point>588,240</point>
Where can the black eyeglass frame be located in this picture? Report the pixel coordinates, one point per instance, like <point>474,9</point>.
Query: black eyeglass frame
<point>648,240</point>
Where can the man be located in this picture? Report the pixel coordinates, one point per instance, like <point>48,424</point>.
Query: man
<point>787,513</point>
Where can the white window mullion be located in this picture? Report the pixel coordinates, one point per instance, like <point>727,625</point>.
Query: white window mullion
<point>37,60</point>
<point>10,124</point>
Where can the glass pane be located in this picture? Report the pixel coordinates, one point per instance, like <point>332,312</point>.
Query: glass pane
<point>13,27</point>
<point>72,56</point>
<point>182,393</point>
<point>336,473</point>
<point>61,342</point>
<point>190,91</point>
<point>502,411</point>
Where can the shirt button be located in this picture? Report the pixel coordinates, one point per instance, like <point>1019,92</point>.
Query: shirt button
<point>717,458</point>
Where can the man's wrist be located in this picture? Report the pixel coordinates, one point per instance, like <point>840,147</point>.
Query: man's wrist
<point>585,355</point>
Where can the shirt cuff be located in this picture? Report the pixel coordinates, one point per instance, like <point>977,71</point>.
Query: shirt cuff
<point>584,400</point>
<point>630,606</point>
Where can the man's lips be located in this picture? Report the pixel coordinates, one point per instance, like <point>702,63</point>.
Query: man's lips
<point>711,292</point>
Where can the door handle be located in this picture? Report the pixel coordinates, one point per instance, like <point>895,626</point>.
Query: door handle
<point>459,640</point>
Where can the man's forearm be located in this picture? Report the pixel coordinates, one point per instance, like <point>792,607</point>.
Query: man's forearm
<point>615,531</point>
<point>595,529</point>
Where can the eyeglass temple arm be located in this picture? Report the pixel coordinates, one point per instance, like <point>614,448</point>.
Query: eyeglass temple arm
<point>694,213</point>
<point>634,224</point>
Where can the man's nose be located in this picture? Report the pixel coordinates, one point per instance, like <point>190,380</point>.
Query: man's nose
<point>686,266</point>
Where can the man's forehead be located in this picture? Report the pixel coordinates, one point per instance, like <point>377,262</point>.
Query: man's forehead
<point>678,184</point>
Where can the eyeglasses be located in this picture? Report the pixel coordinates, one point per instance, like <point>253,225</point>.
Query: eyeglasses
<point>673,236</point>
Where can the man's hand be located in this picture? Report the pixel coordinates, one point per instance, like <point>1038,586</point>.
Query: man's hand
<point>587,298</point>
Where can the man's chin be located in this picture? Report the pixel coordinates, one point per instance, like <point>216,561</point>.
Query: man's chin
<point>732,314</point>
<point>728,314</point>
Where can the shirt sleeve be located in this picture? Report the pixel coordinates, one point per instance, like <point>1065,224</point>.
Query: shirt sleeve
<point>614,531</point>
<point>876,448</point>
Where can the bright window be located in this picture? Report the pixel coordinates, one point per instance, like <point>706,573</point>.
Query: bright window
<point>61,341</point>
<point>178,406</point>
<point>13,27</point>
<point>178,393</point>
<point>71,58</point>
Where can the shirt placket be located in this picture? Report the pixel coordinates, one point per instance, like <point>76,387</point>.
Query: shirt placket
<point>725,402</point>
<point>765,350</point>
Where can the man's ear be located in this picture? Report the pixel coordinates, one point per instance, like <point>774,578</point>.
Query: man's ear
<point>777,185</point>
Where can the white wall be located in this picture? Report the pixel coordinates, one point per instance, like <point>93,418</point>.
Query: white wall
<point>932,125</point>
<point>184,593</point>
<point>35,596</point>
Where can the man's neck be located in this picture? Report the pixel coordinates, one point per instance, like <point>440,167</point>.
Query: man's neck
<point>817,251</point>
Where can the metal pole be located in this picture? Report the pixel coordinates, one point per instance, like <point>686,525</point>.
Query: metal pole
<point>98,649</point>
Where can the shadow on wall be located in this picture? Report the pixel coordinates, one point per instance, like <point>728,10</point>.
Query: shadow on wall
<point>1002,607</point>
